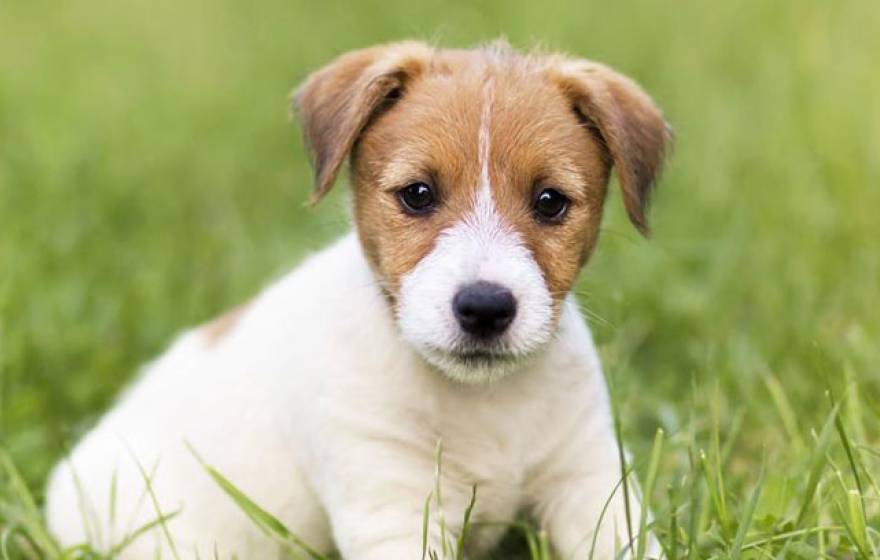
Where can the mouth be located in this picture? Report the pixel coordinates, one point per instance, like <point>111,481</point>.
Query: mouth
<point>478,358</point>
<point>478,355</point>
<point>476,361</point>
<point>475,364</point>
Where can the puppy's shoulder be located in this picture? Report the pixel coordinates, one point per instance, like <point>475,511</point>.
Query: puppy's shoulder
<point>333,282</point>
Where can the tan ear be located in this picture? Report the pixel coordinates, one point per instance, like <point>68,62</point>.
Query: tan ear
<point>628,122</point>
<point>335,103</point>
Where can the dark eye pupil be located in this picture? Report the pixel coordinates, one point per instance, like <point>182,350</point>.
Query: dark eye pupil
<point>550,203</point>
<point>417,197</point>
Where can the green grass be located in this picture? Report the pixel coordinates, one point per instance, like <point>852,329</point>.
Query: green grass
<point>149,179</point>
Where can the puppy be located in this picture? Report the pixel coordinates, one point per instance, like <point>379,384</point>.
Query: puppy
<point>479,178</point>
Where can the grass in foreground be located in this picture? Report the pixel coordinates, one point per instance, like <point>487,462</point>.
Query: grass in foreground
<point>825,504</point>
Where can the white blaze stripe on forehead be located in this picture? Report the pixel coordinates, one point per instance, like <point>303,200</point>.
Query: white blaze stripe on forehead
<point>485,140</point>
<point>480,247</point>
<point>485,220</point>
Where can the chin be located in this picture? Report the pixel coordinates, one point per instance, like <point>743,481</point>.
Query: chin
<point>477,366</point>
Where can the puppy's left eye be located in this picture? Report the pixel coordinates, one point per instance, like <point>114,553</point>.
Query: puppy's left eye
<point>417,198</point>
<point>550,205</point>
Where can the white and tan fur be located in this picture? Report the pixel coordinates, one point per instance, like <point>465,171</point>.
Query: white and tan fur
<point>324,399</point>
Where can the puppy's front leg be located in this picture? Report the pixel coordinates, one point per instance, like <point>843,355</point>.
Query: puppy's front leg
<point>573,486</point>
<point>375,502</point>
<point>378,530</point>
<point>386,529</point>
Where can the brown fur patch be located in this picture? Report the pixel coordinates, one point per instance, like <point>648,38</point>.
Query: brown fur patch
<point>215,330</point>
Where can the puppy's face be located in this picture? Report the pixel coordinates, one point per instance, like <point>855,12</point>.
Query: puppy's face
<point>479,179</point>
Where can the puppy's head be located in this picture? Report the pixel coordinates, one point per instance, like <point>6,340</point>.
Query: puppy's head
<point>479,178</point>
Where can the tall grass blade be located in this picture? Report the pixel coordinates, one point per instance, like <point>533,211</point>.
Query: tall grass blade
<point>621,455</point>
<point>133,536</point>
<point>817,463</point>
<point>543,546</point>
<point>426,519</point>
<point>29,516</point>
<point>148,484</point>
<point>265,521</point>
<point>850,455</point>
<point>653,465</point>
<point>851,533</point>
<point>459,549</point>
<point>604,511</point>
<point>746,519</point>
<point>672,545</point>
<point>785,410</point>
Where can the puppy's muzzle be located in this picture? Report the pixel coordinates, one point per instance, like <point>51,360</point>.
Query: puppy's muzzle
<point>484,310</point>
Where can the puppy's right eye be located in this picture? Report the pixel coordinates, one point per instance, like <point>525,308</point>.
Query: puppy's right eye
<point>550,206</point>
<point>417,198</point>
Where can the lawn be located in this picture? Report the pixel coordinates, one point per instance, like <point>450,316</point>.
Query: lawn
<point>149,179</point>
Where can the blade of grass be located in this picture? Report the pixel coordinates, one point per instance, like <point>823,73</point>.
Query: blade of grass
<point>532,543</point>
<point>25,546</point>
<point>623,469</point>
<point>130,538</point>
<point>132,520</point>
<point>732,435</point>
<point>850,531</point>
<point>438,493</point>
<point>788,535</point>
<point>148,483</point>
<point>426,517</point>
<point>672,545</point>
<point>459,549</point>
<point>857,519</point>
<point>818,497</point>
<point>785,410</point>
<point>264,520</point>
<point>112,507</point>
<point>4,542</point>
<point>746,520</point>
<point>543,546</point>
<point>717,474</point>
<point>604,511</point>
<point>714,490</point>
<point>697,505</point>
<point>816,464</point>
<point>30,517</point>
<point>850,456</point>
<point>653,465</point>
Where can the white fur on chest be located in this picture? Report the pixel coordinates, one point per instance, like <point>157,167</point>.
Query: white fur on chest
<point>312,398</point>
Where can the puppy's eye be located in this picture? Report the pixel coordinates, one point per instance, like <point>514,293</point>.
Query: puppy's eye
<point>550,205</point>
<point>417,198</point>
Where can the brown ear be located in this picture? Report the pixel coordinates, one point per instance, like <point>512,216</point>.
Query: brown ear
<point>630,124</point>
<point>336,103</point>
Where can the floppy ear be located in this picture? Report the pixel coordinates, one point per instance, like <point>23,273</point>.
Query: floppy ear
<point>337,102</point>
<point>627,121</point>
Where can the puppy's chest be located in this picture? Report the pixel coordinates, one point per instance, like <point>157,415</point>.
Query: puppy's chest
<point>490,438</point>
<point>489,443</point>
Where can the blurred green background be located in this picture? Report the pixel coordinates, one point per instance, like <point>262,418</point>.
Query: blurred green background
<point>149,179</point>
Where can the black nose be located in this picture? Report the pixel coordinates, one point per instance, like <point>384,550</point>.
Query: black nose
<point>484,309</point>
